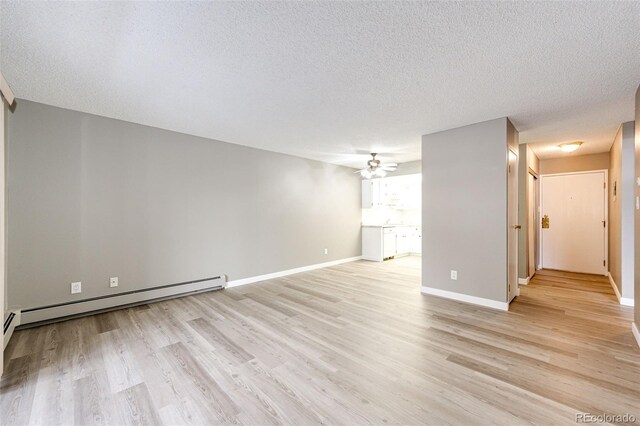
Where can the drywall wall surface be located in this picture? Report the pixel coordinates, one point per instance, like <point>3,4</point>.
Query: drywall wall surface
<point>636,262</point>
<point>577,163</point>
<point>92,198</point>
<point>627,207</point>
<point>621,209</point>
<point>464,212</point>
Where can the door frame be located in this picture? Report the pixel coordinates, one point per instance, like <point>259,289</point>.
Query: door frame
<point>534,207</point>
<point>516,293</point>
<point>606,210</point>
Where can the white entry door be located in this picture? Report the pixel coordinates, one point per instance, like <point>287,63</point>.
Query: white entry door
<point>576,208</point>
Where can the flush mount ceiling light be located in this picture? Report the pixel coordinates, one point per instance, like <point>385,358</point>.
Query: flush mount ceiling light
<point>570,147</point>
<point>376,169</point>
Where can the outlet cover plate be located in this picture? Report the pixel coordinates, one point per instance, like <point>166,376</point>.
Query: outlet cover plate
<point>76,288</point>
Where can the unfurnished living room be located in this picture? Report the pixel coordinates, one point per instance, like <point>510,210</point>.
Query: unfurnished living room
<point>319,212</point>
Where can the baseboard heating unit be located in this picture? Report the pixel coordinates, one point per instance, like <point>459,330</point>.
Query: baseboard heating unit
<point>36,316</point>
<point>10,323</point>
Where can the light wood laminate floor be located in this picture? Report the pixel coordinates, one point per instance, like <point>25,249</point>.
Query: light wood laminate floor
<point>351,344</point>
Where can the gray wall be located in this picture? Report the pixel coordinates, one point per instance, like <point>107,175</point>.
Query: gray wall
<point>6,138</point>
<point>92,197</point>
<point>527,160</point>
<point>621,208</point>
<point>574,163</point>
<point>464,222</point>
<point>637,214</point>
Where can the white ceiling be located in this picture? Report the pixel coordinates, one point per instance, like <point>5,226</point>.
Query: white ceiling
<point>332,80</point>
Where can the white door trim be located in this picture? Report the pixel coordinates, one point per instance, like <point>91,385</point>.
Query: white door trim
<point>606,209</point>
<point>636,332</point>
<point>516,292</point>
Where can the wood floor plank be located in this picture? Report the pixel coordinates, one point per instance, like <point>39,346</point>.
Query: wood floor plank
<point>352,344</point>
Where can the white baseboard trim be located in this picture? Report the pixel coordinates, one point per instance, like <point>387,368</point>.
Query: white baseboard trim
<point>626,301</point>
<point>494,304</point>
<point>636,332</point>
<point>258,278</point>
<point>524,281</point>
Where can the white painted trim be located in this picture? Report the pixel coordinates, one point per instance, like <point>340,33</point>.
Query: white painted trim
<point>524,281</point>
<point>636,332</point>
<point>494,304</point>
<point>6,90</point>
<point>614,286</point>
<point>14,323</point>
<point>258,278</point>
<point>626,301</point>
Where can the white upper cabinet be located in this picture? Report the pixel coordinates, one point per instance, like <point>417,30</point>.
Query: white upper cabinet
<point>400,192</point>
<point>371,193</point>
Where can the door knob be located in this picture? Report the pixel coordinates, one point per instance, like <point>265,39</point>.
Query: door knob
<point>518,227</point>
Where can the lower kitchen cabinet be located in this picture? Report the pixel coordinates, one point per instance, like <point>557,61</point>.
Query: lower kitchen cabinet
<point>379,243</point>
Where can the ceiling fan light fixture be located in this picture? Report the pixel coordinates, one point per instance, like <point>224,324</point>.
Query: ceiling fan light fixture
<point>570,147</point>
<point>375,168</point>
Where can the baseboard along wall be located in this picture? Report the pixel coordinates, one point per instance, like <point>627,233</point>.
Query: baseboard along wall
<point>258,278</point>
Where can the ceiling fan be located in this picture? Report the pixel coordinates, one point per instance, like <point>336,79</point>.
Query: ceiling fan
<point>376,169</point>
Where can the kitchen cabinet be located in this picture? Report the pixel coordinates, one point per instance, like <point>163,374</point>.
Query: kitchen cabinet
<point>371,194</point>
<point>390,243</point>
<point>393,192</point>
<point>381,193</point>
<point>415,243</point>
<point>383,242</point>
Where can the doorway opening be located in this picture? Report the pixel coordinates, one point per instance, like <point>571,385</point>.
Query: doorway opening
<point>573,225</point>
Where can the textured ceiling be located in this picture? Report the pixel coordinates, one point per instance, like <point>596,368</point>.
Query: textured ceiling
<point>331,80</point>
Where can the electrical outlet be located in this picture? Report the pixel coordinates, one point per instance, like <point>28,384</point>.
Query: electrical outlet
<point>76,288</point>
<point>326,251</point>
<point>454,275</point>
<point>113,282</point>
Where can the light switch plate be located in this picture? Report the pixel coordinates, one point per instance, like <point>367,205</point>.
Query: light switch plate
<point>113,282</point>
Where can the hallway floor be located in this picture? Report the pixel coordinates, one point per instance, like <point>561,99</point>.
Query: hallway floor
<point>351,344</point>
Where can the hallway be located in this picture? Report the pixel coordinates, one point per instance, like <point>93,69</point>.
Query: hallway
<point>596,365</point>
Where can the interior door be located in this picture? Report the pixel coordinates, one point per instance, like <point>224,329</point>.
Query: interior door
<point>513,227</point>
<point>576,237</point>
<point>531,224</point>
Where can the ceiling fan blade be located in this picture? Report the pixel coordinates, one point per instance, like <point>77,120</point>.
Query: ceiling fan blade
<point>387,168</point>
<point>359,171</point>
<point>389,164</point>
